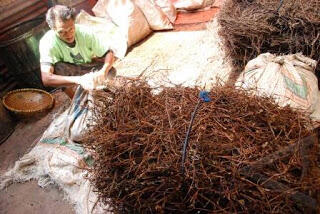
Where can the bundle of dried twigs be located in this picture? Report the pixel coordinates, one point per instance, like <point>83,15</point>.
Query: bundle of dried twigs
<point>252,27</point>
<point>244,155</point>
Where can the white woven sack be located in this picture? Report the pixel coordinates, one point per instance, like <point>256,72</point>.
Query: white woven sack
<point>168,8</point>
<point>127,16</point>
<point>289,79</point>
<point>157,19</point>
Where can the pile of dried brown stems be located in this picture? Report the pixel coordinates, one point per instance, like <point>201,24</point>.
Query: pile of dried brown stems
<point>252,27</point>
<point>245,154</point>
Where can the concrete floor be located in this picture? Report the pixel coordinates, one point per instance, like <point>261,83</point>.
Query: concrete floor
<point>29,197</point>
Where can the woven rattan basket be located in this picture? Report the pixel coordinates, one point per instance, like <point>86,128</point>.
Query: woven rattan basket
<point>28,102</point>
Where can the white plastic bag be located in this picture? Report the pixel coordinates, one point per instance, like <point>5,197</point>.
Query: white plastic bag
<point>127,16</point>
<point>79,117</point>
<point>289,79</point>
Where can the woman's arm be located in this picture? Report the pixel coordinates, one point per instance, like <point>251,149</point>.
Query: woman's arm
<point>108,62</point>
<point>53,80</point>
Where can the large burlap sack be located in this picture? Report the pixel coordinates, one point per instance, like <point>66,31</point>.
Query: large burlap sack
<point>104,27</point>
<point>127,16</point>
<point>157,19</point>
<point>192,4</point>
<point>289,79</point>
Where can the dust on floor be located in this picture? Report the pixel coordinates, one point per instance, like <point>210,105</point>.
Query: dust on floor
<point>193,58</point>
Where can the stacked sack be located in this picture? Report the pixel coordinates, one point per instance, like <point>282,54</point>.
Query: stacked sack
<point>137,18</point>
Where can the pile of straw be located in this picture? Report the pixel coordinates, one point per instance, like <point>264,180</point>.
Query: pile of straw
<point>251,27</point>
<point>245,154</point>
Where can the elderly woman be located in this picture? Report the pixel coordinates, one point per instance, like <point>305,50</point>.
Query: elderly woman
<point>68,51</point>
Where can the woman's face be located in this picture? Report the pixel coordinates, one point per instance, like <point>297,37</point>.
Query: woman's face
<point>65,30</point>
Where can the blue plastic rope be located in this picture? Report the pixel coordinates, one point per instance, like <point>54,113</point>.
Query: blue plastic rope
<point>203,97</point>
<point>280,5</point>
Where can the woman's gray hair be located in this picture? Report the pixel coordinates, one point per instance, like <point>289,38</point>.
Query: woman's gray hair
<point>59,12</point>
